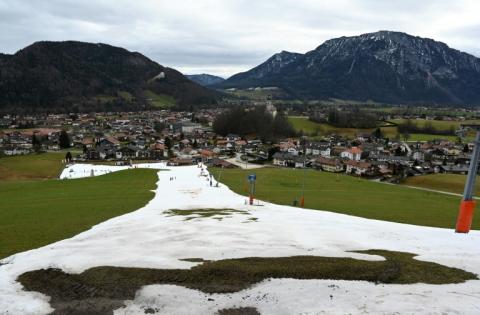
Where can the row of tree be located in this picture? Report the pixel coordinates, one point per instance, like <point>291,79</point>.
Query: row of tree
<point>351,118</point>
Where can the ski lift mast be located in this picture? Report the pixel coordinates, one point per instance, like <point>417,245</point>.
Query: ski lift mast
<point>467,205</point>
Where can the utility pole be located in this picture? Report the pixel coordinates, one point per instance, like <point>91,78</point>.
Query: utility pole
<point>467,206</point>
<point>219,176</point>
<point>302,199</point>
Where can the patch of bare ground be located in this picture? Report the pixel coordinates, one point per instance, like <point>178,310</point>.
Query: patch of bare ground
<point>101,290</point>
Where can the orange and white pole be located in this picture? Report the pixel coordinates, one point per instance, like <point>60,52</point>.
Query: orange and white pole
<point>467,206</point>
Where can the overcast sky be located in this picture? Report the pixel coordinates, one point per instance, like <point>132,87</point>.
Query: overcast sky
<point>224,37</point>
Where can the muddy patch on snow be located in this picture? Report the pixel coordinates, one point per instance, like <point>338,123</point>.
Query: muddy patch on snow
<point>217,214</point>
<point>101,290</point>
<point>239,311</point>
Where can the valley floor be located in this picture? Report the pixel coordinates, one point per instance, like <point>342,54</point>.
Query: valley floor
<point>153,237</point>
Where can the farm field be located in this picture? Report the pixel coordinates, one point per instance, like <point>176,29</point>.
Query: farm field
<point>445,182</point>
<point>309,127</point>
<point>301,123</point>
<point>349,195</point>
<point>437,124</point>
<point>37,213</point>
<point>32,166</point>
<point>426,137</point>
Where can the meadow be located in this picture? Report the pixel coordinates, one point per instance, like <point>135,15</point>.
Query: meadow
<point>303,124</point>
<point>37,213</point>
<point>445,182</point>
<point>32,166</point>
<point>349,195</point>
<point>159,100</point>
<point>437,124</point>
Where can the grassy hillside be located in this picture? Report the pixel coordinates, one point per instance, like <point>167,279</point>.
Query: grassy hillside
<point>350,195</point>
<point>445,182</point>
<point>32,166</point>
<point>37,213</point>
<point>159,100</point>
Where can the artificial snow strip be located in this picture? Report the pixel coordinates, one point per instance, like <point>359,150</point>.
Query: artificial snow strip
<point>152,238</point>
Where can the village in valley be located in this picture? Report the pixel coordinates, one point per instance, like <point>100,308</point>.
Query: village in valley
<point>239,157</point>
<point>187,138</point>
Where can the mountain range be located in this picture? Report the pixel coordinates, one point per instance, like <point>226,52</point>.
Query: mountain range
<point>78,76</point>
<point>205,79</point>
<point>385,66</point>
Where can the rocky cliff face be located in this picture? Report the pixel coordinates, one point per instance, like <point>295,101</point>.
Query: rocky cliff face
<point>274,65</point>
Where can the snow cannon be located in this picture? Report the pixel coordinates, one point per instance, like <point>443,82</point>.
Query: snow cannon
<point>467,206</point>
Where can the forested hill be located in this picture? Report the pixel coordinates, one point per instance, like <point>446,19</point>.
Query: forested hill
<point>205,79</point>
<point>78,76</point>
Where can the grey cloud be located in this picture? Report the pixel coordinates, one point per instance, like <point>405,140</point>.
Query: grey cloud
<point>227,36</point>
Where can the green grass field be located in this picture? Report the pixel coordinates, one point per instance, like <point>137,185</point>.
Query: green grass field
<point>350,195</point>
<point>444,182</point>
<point>437,124</point>
<point>37,213</point>
<point>159,100</point>
<point>310,127</point>
<point>426,137</point>
<point>322,129</point>
<point>125,95</point>
<point>32,166</point>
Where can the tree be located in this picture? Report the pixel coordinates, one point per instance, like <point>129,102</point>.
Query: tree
<point>253,121</point>
<point>64,140</point>
<point>36,143</point>
<point>352,118</point>
<point>159,126</point>
<point>68,157</point>
<point>387,142</point>
<point>378,133</point>
<point>168,143</point>
<point>271,151</point>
